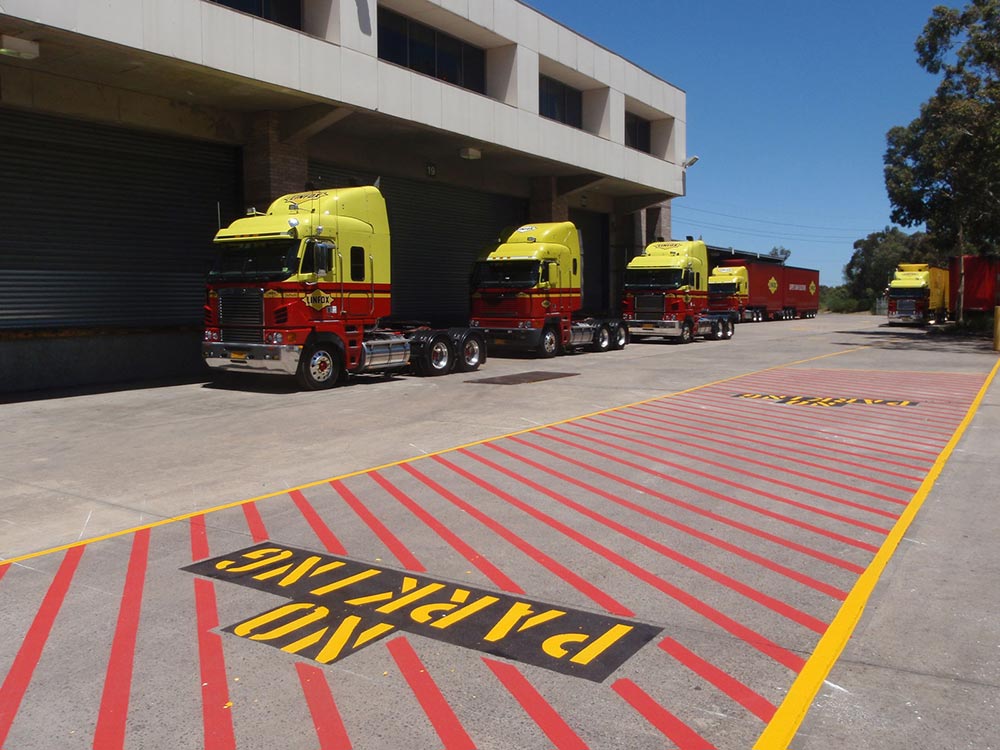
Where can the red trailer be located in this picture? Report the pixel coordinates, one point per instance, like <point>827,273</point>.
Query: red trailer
<point>801,292</point>
<point>776,291</point>
<point>982,290</point>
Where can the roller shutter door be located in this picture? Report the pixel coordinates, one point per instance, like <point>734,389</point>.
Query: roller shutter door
<point>107,227</point>
<point>437,232</point>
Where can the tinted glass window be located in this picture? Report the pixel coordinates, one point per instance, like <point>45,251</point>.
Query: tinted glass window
<point>357,264</point>
<point>392,44</point>
<point>557,101</point>
<point>637,132</point>
<point>474,68</point>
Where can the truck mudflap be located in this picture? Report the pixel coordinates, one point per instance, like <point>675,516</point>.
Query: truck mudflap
<point>263,358</point>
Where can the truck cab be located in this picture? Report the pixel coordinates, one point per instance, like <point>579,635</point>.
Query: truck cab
<point>527,293</point>
<point>728,291</point>
<point>304,289</point>
<point>917,293</point>
<point>666,294</point>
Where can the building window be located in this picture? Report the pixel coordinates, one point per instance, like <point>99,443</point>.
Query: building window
<point>557,101</point>
<point>433,53</point>
<point>637,132</point>
<point>286,12</point>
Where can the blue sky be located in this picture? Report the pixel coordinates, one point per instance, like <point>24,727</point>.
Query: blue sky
<point>788,104</point>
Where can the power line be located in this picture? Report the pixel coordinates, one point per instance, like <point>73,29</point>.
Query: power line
<point>827,240</point>
<point>767,221</point>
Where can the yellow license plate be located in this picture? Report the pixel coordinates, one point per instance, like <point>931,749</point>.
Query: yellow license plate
<point>648,325</point>
<point>238,356</point>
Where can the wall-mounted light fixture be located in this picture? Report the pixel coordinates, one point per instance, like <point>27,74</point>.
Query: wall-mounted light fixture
<point>470,153</point>
<point>23,49</point>
<point>690,162</point>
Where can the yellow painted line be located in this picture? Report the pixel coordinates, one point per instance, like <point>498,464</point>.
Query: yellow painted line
<point>780,731</point>
<point>238,503</point>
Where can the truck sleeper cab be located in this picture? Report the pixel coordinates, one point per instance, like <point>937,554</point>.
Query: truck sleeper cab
<point>305,290</point>
<point>666,294</point>
<point>526,294</point>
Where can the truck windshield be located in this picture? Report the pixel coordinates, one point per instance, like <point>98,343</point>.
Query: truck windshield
<point>511,274</point>
<point>730,288</point>
<point>653,278</point>
<point>907,293</point>
<point>261,260</point>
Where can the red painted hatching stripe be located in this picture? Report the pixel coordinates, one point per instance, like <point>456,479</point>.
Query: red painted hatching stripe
<point>750,700</point>
<point>838,562</point>
<point>583,586</point>
<point>3,569</point>
<point>316,523</point>
<point>487,568</point>
<point>440,714</point>
<point>390,540</point>
<point>731,626</point>
<point>21,671</point>
<point>669,725</point>
<point>326,718</point>
<point>775,605</point>
<point>110,730</point>
<point>216,716</point>
<point>719,496</point>
<point>715,541</point>
<point>739,447</point>
<point>255,523</point>
<point>744,434</point>
<point>540,711</point>
<point>781,428</point>
<point>759,477</point>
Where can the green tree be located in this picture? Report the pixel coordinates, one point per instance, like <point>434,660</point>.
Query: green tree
<point>780,251</point>
<point>943,169</point>
<point>875,257</point>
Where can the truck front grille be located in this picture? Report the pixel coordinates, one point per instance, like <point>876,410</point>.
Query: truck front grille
<point>649,304</point>
<point>241,315</point>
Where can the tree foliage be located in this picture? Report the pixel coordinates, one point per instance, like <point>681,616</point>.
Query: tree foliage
<point>780,251</point>
<point>943,169</point>
<point>875,258</point>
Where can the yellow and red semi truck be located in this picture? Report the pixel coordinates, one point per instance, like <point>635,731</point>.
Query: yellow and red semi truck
<point>305,290</point>
<point>527,294</point>
<point>666,294</point>
<point>755,290</point>
<point>918,293</point>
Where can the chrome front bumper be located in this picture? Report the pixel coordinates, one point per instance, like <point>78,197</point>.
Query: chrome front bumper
<point>668,328</point>
<point>280,360</point>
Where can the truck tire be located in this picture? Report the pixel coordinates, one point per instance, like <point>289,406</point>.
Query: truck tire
<point>719,330</point>
<point>471,354</point>
<point>321,367</point>
<point>549,345</point>
<point>602,338</point>
<point>687,332</point>
<point>730,329</point>
<point>438,357</point>
<point>619,337</point>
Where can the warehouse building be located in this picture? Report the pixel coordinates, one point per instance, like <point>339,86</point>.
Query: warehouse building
<point>131,129</point>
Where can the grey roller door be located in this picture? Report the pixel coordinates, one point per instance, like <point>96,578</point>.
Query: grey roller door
<point>437,232</point>
<point>107,227</point>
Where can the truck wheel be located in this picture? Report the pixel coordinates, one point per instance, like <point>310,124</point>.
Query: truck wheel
<point>471,355</point>
<point>439,359</point>
<point>602,338</point>
<point>620,337</point>
<point>320,367</point>
<point>719,330</point>
<point>730,328</point>
<point>687,332</point>
<point>549,345</point>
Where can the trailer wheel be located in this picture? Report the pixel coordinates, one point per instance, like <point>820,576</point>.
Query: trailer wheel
<point>620,337</point>
<point>602,338</point>
<point>438,357</point>
<point>549,345</point>
<point>320,367</point>
<point>471,355</point>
